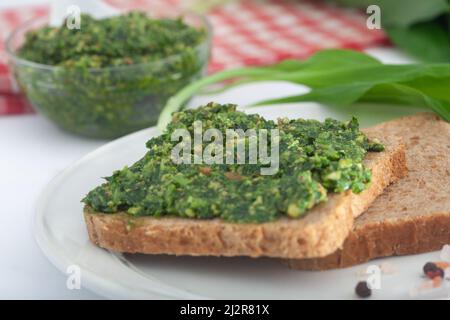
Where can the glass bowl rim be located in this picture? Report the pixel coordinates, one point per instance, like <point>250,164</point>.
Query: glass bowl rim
<point>20,61</point>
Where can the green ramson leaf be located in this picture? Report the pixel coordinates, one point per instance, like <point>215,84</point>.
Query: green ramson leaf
<point>428,40</point>
<point>394,93</point>
<point>331,58</point>
<point>320,62</point>
<point>335,95</point>
<point>437,87</point>
<point>384,93</point>
<point>339,77</point>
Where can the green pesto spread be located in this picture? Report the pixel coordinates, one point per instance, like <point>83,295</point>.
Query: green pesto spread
<point>315,158</point>
<point>112,76</point>
<point>120,40</point>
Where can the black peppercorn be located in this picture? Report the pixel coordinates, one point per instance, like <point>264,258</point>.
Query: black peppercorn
<point>429,267</point>
<point>432,271</point>
<point>363,290</point>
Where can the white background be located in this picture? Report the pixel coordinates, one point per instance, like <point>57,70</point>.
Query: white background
<point>32,151</point>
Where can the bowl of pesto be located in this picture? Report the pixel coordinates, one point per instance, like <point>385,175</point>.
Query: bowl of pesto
<point>108,77</point>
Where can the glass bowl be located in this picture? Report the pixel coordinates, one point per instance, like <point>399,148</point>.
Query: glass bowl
<point>107,102</point>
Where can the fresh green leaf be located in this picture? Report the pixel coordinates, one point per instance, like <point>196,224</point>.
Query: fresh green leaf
<point>432,92</point>
<point>331,58</point>
<point>318,63</point>
<point>428,40</point>
<point>385,93</point>
<point>432,86</point>
<point>338,95</point>
<point>338,77</point>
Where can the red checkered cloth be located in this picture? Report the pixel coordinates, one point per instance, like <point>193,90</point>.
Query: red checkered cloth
<point>247,32</point>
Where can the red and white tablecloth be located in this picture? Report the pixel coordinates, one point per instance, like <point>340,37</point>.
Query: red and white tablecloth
<point>247,32</point>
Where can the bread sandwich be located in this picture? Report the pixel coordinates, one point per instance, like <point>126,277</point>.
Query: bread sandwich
<point>318,233</point>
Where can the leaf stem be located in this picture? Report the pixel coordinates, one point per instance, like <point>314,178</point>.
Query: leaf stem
<point>176,101</point>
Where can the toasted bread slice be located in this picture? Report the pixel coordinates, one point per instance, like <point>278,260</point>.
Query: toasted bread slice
<point>319,233</point>
<point>412,215</point>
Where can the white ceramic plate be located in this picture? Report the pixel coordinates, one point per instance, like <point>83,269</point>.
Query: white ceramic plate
<point>61,233</point>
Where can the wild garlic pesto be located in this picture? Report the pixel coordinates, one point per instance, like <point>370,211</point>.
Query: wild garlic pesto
<point>112,76</point>
<point>127,39</point>
<point>315,158</point>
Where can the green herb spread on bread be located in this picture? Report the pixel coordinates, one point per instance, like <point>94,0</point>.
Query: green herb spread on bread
<point>315,158</point>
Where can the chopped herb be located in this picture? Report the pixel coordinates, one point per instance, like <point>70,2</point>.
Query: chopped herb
<point>315,158</point>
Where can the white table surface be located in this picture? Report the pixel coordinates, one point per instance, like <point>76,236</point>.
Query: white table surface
<point>32,151</point>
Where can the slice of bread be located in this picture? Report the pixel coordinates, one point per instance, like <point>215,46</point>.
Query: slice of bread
<point>412,215</point>
<point>321,232</point>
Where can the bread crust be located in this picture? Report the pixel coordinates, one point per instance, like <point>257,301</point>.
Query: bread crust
<point>319,233</point>
<point>411,216</point>
<point>410,236</point>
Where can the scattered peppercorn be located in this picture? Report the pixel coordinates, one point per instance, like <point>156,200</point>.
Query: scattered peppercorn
<point>432,271</point>
<point>429,267</point>
<point>362,290</point>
